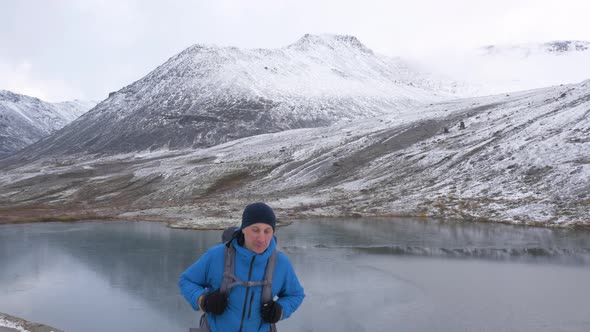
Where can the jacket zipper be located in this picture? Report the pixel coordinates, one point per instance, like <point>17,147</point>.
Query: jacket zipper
<point>250,309</point>
<point>247,293</point>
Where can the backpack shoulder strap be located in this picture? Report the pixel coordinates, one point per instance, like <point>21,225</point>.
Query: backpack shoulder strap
<point>228,269</point>
<point>268,273</point>
<point>267,287</point>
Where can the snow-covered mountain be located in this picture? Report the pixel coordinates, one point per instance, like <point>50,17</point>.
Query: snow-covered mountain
<point>208,95</point>
<point>495,69</point>
<point>25,120</point>
<point>521,158</point>
<point>406,149</point>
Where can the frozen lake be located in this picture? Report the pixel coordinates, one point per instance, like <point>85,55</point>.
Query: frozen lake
<point>359,275</point>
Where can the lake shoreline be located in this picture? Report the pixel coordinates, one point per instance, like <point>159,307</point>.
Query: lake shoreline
<point>10,323</point>
<point>202,218</point>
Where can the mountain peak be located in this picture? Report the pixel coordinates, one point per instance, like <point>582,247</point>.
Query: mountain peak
<point>207,95</point>
<point>207,50</point>
<point>10,96</point>
<point>332,41</point>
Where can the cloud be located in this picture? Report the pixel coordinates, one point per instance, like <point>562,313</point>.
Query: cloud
<point>99,46</point>
<point>542,21</point>
<point>20,78</point>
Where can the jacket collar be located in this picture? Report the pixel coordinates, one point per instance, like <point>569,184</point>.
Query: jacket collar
<point>247,254</point>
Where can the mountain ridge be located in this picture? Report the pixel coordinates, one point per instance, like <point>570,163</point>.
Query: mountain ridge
<point>25,120</point>
<point>207,95</point>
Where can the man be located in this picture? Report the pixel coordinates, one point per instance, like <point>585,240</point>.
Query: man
<point>238,303</point>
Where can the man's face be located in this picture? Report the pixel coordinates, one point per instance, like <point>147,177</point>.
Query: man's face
<point>257,237</point>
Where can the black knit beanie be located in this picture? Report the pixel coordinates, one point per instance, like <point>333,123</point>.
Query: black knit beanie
<point>258,213</point>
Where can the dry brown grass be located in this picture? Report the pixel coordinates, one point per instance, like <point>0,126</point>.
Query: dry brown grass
<point>28,215</point>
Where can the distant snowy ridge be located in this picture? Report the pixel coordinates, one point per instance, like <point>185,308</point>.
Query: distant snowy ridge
<point>496,69</point>
<point>557,47</point>
<point>25,120</point>
<point>207,95</point>
<point>72,109</point>
<point>414,74</point>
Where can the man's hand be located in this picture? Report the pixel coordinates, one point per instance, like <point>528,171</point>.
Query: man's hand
<point>214,302</point>
<point>271,312</point>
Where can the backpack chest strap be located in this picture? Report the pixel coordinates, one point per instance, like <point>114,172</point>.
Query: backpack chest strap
<point>235,281</point>
<point>230,280</point>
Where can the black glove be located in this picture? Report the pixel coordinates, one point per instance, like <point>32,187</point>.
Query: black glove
<point>271,312</point>
<point>214,303</point>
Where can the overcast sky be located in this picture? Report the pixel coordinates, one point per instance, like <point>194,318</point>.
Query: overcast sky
<point>83,49</point>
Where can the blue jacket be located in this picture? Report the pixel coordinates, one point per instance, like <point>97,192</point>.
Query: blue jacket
<point>206,275</point>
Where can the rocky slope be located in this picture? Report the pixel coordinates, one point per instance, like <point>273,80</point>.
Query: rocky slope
<point>521,158</point>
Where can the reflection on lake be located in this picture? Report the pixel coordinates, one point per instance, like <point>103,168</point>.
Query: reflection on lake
<point>359,275</point>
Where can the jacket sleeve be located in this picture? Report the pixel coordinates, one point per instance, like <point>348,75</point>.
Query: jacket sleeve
<point>291,294</point>
<point>193,281</point>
